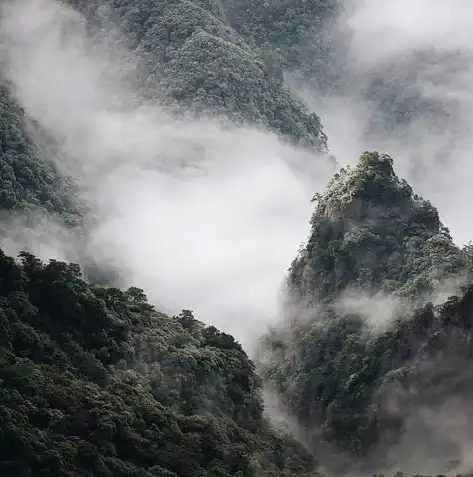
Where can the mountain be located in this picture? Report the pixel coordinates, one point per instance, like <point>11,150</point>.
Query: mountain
<point>364,348</point>
<point>373,358</point>
<point>291,29</point>
<point>96,382</point>
<point>371,231</point>
<point>190,56</point>
<point>30,182</point>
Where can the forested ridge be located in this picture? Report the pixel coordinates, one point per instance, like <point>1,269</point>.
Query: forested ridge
<point>356,376</point>
<point>29,179</point>
<point>189,55</point>
<point>94,381</point>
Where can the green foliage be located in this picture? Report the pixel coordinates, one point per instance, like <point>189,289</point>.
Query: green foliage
<point>95,382</point>
<point>371,231</point>
<point>370,234</point>
<point>192,59</point>
<point>28,180</point>
<point>287,26</point>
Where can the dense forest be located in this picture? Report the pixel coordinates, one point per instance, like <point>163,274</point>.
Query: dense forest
<point>96,382</point>
<point>191,57</point>
<point>375,336</point>
<point>338,363</point>
<point>29,179</point>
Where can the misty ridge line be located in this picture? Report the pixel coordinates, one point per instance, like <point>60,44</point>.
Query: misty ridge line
<point>402,85</point>
<point>186,206</point>
<point>120,156</point>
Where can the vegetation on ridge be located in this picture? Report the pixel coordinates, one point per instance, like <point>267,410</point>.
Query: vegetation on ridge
<point>95,382</point>
<point>28,179</point>
<point>193,60</point>
<point>373,235</point>
<point>371,231</point>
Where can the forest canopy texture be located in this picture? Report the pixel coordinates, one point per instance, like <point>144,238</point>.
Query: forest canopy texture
<point>95,382</point>
<point>376,329</point>
<point>355,374</point>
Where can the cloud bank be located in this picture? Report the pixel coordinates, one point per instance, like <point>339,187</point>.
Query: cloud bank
<point>200,216</point>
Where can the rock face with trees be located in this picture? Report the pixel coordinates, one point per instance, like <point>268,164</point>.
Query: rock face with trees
<point>372,337</point>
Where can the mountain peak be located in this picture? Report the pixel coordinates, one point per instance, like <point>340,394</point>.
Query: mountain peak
<point>380,163</point>
<point>350,343</point>
<point>371,230</point>
<point>371,184</point>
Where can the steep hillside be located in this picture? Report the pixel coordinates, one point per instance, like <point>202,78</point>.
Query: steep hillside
<point>190,57</point>
<point>29,181</point>
<point>291,30</point>
<point>35,195</point>
<point>316,43</point>
<point>95,382</point>
<point>371,231</point>
<point>353,362</point>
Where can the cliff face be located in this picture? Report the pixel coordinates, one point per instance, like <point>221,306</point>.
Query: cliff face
<point>353,360</point>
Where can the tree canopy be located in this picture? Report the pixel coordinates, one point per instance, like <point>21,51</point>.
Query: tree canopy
<point>339,365</point>
<point>96,382</point>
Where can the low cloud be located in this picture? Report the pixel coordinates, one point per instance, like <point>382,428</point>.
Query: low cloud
<point>201,216</point>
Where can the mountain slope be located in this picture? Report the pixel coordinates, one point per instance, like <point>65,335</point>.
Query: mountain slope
<point>186,55</point>
<point>293,32</point>
<point>190,57</point>
<point>29,181</point>
<point>353,362</point>
<point>370,230</point>
<point>95,382</point>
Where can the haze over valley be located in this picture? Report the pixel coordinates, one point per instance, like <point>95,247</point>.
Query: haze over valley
<point>235,238</point>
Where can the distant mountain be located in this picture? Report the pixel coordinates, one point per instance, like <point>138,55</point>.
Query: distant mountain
<point>190,55</point>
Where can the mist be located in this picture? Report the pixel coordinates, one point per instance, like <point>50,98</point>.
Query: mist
<point>208,217</point>
<point>201,216</point>
<point>405,87</point>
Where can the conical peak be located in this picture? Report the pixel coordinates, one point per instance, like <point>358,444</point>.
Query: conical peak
<point>368,224</point>
<point>371,183</point>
